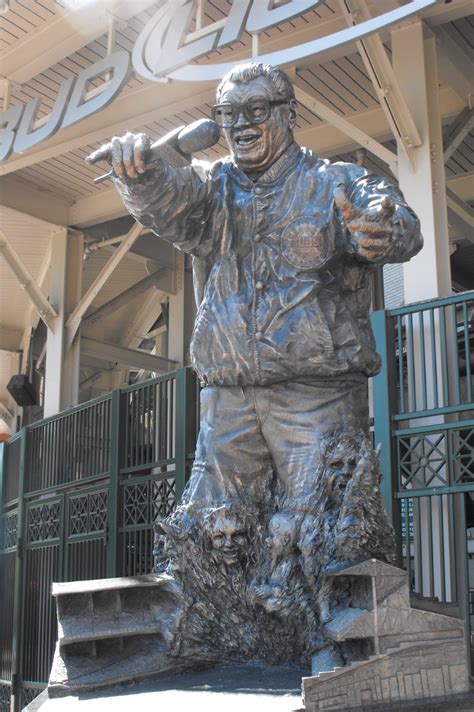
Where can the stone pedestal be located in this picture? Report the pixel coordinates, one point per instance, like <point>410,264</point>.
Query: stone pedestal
<point>416,654</point>
<point>113,630</point>
<point>117,630</point>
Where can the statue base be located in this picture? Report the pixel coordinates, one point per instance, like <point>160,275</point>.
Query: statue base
<point>121,630</point>
<point>414,654</point>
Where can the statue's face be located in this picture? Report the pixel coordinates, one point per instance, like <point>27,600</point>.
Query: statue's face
<point>255,146</point>
<point>229,539</point>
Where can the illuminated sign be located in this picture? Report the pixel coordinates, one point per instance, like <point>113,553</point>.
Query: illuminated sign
<point>166,50</point>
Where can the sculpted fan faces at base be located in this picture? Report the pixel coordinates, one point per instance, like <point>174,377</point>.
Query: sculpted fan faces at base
<point>283,246</point>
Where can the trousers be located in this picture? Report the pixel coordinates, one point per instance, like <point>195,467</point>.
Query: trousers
<point>251,435</point>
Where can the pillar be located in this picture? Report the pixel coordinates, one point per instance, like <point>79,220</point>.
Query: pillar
<point>176,315</point>
<point>62,367</point>
<point>428,275</point>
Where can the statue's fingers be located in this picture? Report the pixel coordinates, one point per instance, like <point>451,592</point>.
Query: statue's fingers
<point>117,157</point>
<point>371,248</point>
<point>388,208</point>
<point>128,150</point>
<point>349,211</point>
<point>140,150</point>
<point>104,153</point>
<point>368,226</point>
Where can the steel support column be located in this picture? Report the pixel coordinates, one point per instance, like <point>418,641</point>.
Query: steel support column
<point>18,581</point>
<point>176,316</point>
<point>62,368</point>
<point>427,275</point>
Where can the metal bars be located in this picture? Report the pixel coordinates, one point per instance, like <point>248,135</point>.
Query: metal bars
<point>70,447</point>
<point>430,433</point>
<point>434,343</point>
<point>81,492</point>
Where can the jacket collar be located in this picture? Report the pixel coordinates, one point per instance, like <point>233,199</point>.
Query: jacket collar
<point>289,159</point>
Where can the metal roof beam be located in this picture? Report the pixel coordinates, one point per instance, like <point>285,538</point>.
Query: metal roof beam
<point>347,128</point>
<point>457,132</point>
<point>27,281</point>
<point>458,229</point>
<point>443,13</point>
<point>74,321</point>
<point>100,206</point>
<point>455,64</point>
<point>134,358</point>
<point>380,71</point>
<point>124,297</point>
<point>463,185</point>
<point>463,210</point>
<point>27,199</point>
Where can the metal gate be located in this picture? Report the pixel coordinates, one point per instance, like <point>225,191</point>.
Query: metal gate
<point>80,494</point>
<point>424,419</point>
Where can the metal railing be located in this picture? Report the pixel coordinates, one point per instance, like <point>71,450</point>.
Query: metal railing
<point>80,493</point>
<point>424,419</point>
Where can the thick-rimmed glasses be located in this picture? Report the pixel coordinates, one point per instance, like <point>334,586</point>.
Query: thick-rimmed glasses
<point>256,111</point>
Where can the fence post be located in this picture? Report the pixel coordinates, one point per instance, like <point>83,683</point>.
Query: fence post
<point>116,449</point>
<point>2,475</point>
<point>18,581</point>
<point>184,424</point>
<point>384,404</point>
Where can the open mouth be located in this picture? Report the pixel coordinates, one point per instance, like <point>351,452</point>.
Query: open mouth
<point>246,140</point>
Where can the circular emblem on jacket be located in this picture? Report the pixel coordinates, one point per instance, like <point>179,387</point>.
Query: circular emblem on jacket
<point>304,244</point>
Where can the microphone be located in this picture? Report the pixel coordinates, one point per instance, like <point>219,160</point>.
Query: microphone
<point>175,147</point>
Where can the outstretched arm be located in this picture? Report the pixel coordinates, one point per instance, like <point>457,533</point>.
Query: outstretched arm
<point>173,202</point>
<point>381,226</point>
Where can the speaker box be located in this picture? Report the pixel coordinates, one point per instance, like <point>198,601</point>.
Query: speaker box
<point>21,390</point>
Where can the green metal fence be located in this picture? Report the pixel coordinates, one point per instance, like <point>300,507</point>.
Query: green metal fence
<point>81,492</point>
<point>424,419</point>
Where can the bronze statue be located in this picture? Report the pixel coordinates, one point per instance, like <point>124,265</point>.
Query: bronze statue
<point>284,245</point>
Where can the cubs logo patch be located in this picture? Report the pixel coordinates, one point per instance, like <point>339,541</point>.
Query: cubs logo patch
<point>304,244</point>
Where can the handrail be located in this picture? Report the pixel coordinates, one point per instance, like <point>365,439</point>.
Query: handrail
<point>431,304</point>
<point>149,382</point>
<point>69,411</point>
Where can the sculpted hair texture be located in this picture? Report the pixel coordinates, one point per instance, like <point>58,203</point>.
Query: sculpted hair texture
<point>246,72</point>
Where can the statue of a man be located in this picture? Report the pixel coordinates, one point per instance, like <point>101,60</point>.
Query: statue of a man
<point>284,245</point>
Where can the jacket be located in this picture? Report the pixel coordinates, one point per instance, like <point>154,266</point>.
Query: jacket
<point>284,293</point>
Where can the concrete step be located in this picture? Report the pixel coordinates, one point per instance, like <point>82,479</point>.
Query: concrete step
<point>113,608</point>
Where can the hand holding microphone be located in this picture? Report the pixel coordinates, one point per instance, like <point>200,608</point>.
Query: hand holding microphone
<point>132,154</point>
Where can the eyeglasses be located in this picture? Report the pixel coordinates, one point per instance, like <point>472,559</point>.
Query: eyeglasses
<point>255,110</point>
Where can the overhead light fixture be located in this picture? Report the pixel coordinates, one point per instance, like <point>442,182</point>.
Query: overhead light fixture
<point>4,6</point>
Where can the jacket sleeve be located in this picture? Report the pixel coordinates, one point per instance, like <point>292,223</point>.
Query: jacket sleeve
<point>176,203</point>
<point>366,191</point>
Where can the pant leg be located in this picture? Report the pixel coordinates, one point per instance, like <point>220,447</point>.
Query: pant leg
<point>232,459</point>
<point>300,416</point>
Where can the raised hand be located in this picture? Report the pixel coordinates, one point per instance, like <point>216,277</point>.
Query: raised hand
<point>371,229</point>
<point>127,154</point>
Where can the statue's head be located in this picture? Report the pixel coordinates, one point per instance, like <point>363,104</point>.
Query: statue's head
<point>257,110</point>
<point>228,536</point>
